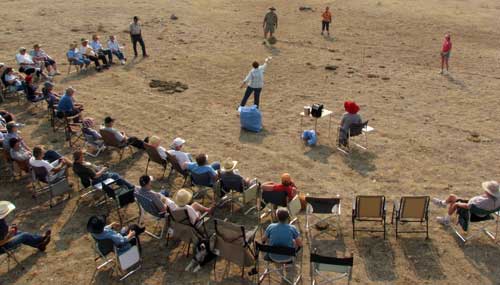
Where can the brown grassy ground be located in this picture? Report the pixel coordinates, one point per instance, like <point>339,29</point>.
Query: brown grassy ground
<point>422,120</point>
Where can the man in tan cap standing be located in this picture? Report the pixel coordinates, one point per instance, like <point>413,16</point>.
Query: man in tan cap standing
<point>270,23</point>
<point>488,201</point>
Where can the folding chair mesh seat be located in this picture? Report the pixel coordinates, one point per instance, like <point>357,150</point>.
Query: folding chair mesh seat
<point>154,156</point>
<point>110,141</point>
<point>272,200</point>
<point>475,221</point>
<point>354,131</point>
<point>237,193</point>
<point>146,205</point>
<point>183,229</point>
<point>176,167</point>
<point>98,145</point>
<point>233,244</point>
<point>411,210</point>
<point>294,208</point>
<point>125,263</point>
<point>55,187</point>
<point>121,196</point>
<point>322,211</point>
<point>280,268</point>
<point>74,133</point>
<point>371,209</point>
<point>320,265</point>
<point>204,184</point>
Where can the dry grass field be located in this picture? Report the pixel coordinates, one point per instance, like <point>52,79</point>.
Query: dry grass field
<point>387,53</point>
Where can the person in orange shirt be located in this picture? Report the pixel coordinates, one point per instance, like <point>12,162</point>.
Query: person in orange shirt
<point>327,19</point>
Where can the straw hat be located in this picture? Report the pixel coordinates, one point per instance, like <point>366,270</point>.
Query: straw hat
<point>182,197</point>
<point>229,165</point>
<point>492,188</point>
<point>5,208</point>
<point>154,140</point>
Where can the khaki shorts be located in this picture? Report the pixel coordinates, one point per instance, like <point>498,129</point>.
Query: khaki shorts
<point>269,28</point>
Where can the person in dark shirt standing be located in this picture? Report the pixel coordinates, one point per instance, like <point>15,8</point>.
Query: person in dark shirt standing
<point>11,237</point>
<point>135,31</point>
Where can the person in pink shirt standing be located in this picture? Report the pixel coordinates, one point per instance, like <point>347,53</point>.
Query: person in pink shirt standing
<point>445,53</point>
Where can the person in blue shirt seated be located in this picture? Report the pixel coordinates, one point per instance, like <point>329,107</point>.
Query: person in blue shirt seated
<point>76,57</point>
<point>123,240</point>
<point>282,234</point>
<point>310,137</point>
<point>201,166</point>
<point>50,95</point>
<point>67,105</point>
<point>100,50</point>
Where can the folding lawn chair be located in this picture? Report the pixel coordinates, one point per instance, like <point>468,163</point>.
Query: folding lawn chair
<point>125,263</point>
<point>370,209</point>
<point>411,209</point>
<point>203,183</point>
<point>321,211</point>
<point>146,205</point>
<point>176,168</point>
<point>234,244</point>
<point>42,183</point>
<point>294,208</point>
<point>10,254</point>
<point>97,145</point>
<point>475,221</point>
<point>321,265</point>
<point>183,229</point>
<point>354,131</point>
<point>272,200</point>
<point>292,262</point>
<point>154,156</point>
<point>237,193</point>
<point>110,141</point>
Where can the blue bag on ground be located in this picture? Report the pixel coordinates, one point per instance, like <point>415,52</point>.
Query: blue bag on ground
<point>310,137</point>
<point>251,118</point>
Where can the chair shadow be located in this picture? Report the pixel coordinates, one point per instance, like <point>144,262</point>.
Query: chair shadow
<point>17,271</point>
<point>76,76</point>
<point>484,257</point>
<point>132,63</point>
<point>378,257</point>
<point>460,83</point>
<point>327,244</point>
<point>271,48</point>
<point>360,161</point>
<point>319,153</point>
<point>254,138</point>
<point>422,255</point>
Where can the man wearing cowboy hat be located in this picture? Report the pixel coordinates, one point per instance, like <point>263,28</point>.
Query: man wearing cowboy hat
<point>182,157</point>
<point>182,199</point>
<point>270,23</point>
<point>11,237</point>
<point>488,201</point>
<point>230,177</point>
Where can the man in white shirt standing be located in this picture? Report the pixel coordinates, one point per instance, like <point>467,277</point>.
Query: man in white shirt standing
<point>135,31</point>
<point>255,82</point>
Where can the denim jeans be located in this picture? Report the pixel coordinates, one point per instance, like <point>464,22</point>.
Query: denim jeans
<point>115,176</point>
<point>119,54</point>
<point>51,156</point>
<point>32,240</point>
<point>138,39</point>
<point>256,96</point>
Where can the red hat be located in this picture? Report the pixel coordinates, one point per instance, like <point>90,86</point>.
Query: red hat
<point>351,107</point>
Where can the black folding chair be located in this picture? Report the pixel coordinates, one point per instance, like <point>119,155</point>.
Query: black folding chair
<point>321,211</point>
<point>282,265</point>
<point>322,265</point>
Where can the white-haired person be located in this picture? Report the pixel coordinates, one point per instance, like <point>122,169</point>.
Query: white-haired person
<point>155,142</point>
<point>176,150</point>
<point>116,49</point>
<point>488,201</point>
<point>43,59</point>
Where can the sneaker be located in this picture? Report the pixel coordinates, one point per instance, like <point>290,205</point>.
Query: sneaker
<point>122,61</point>
<point>439,203</point>
<point>443,220</point>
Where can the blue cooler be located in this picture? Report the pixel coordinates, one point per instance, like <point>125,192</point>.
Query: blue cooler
<point>251,118</point>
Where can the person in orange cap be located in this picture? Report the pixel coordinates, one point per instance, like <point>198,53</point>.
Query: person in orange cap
<point>287,185</point>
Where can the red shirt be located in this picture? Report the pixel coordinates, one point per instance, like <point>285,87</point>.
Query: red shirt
<point>290,191</point>
<point>446,46</point>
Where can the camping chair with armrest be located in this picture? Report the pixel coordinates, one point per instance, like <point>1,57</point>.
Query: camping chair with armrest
<point>368,209</point>
<point>120,195</point>
<point>203,183</point>
<point>71,63</point>
<point>183,229</point>
<point>294,208</point>
<point>97,145</point>
<point>55,187</point>
<point>293,262</point>
<point>176,168</point>
<point>125,263</point>
<point>411,209</point>
<point>110,141</point>
<point>236,193</point>
<point>92,189</point>
<point>474,221</point>
<point>321,265</point>
<point>146,205</point>
<point>154,156</point>
<point>354,131</point>
<point>272,200</point>
<point>234,244</point>
<point>74,133</point>
<point>322,212</point>
<point>9,252</point>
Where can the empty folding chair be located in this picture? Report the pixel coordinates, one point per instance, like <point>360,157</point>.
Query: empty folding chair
<point>272,200</point>
<point>234,244</point>
<point>411,210</point>
<point>368,209</point>
<point>55,187</point>
<point>110,141</point>
<point>120,195</point>
<point>322,265</point>
<point>474,221</point>
<point>125,263</point>
<point>322,212</point>
<point>183,229</point>
<point>146,205</point>
<point>98,146</point>
<point>154,156</point>
<point>290,263</point>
